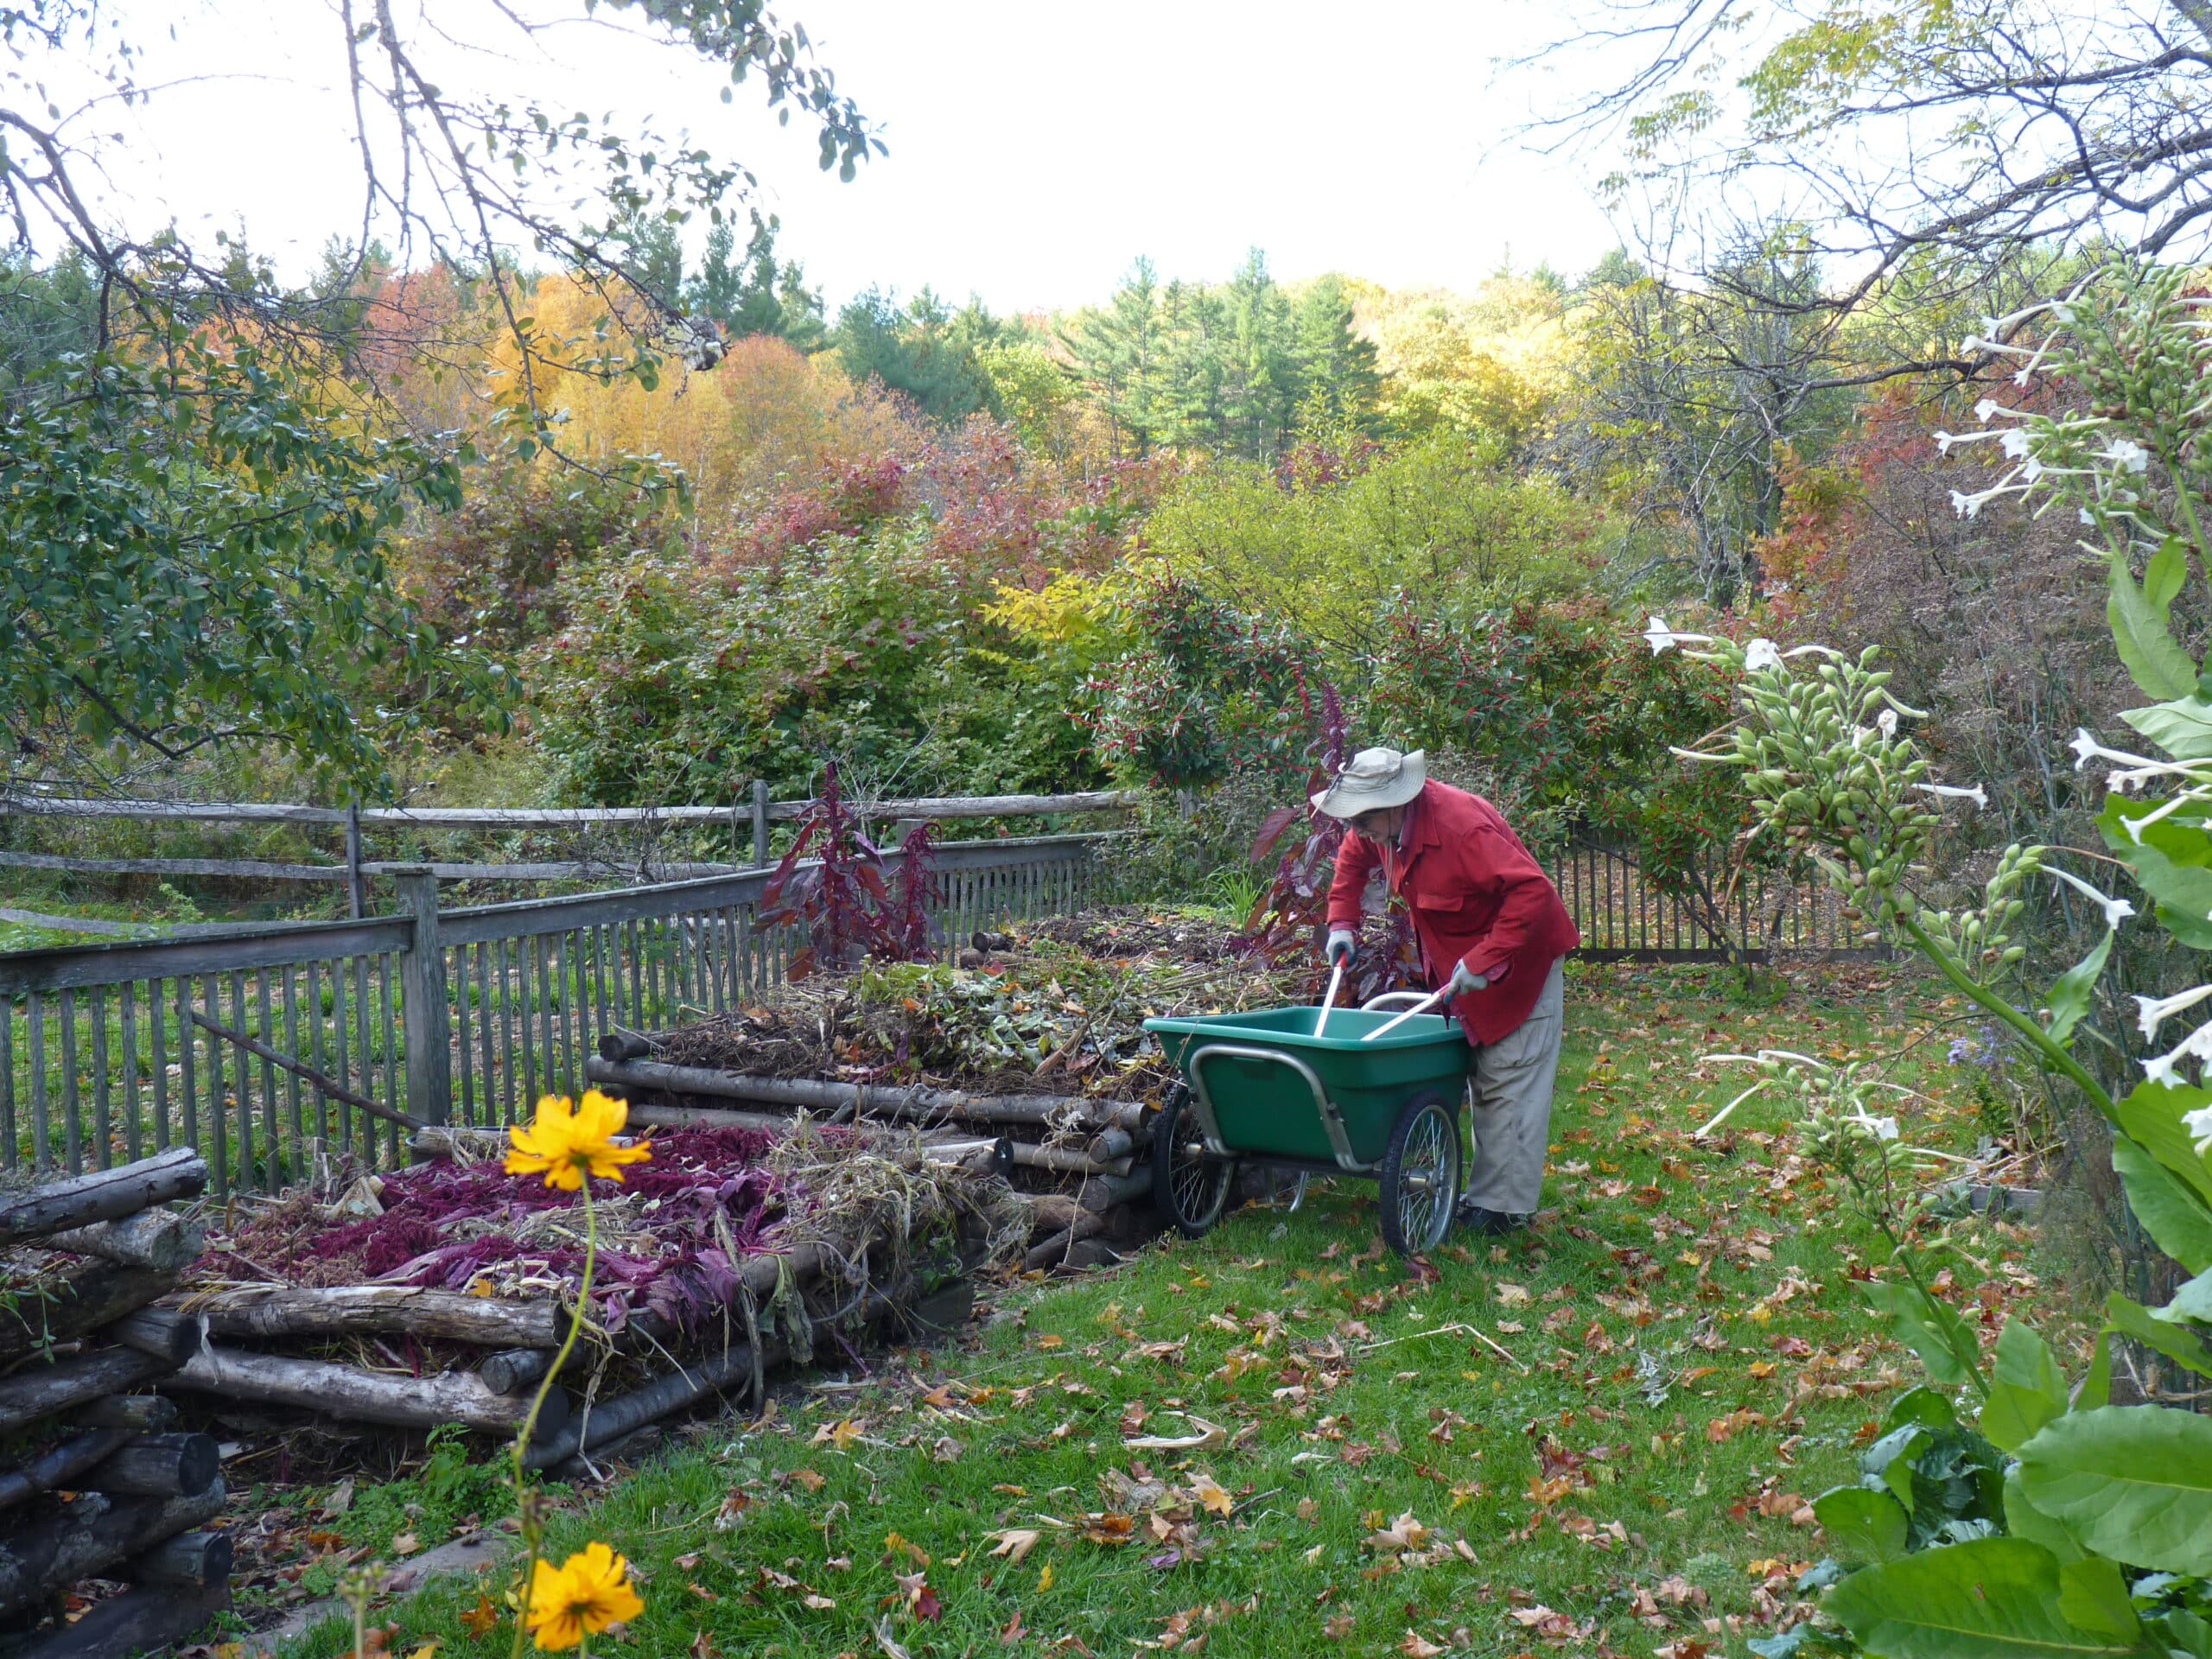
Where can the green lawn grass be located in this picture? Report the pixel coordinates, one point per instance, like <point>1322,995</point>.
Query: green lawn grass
<point>1598,1435</point>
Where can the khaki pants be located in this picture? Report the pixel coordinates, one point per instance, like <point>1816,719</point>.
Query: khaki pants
<point>1512,1106</point>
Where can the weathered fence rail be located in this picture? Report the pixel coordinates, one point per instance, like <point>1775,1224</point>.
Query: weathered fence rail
<point>463,1015</point>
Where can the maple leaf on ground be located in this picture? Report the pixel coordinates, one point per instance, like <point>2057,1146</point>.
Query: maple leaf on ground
<point>841,1433</point>
<point>1209,1495</point>
<point>703,1646</point>
<point>1416,1647</point>
<point>482,1618</point>
<point>1015,1543</point>
<point>1338,1626</point>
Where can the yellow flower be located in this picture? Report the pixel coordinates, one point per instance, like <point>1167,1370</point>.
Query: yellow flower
<point>580,1598</point>
<point>565,1145</point>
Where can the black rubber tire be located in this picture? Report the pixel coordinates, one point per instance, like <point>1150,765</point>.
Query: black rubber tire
<point>1424,1148</point>
<point>1189,1185</point>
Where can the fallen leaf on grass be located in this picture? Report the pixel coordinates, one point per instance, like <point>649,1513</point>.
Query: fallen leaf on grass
<point>1512,1295</point>
<point>734,1505</point>
<point>1338,1626</point>
<point>1015,1543</point>
<point>405,1544</point>
<point>1051,1341</point>
<point>885,1640</point>
<point>808,1479</point>
<point>1210,1437</point>
<point>482,1618</point>
<point>1416,1647</point>
<point>1404,1533</point>
<point>947,1450</point>
<point>1209,1495</point>
<point>841,1433</point>
<point>820,1603</point>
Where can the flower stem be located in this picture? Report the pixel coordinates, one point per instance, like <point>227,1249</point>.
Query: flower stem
<point>2037,1038</point>
<point>531,1530</point>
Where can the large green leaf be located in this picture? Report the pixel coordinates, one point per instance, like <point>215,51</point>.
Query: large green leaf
<point>2192,1304</point>
<point>1862,1524</point>
<point>2171,864</point>
<point>2150,1113</point>
<point>2139,628</point>
<point>2070,996</point>
<point>2027,1388</point>
<point>2023,1520</point>
<point>2092,1595</point>
<point>2176,1342</point>
<point>1992,1599</point>
<point>2131,1482</point>
<point>2179,1222</point>
<point>2183,727</point>
<point>1922,1324</point>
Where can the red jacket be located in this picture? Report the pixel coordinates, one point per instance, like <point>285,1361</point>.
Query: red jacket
<point>1476,897</point>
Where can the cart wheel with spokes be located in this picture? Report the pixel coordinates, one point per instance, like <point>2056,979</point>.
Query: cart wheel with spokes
<point>1420,1175</point>
<point>1189,1185</point>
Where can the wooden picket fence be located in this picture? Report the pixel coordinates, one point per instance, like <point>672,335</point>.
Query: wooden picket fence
<point>273,1048</point>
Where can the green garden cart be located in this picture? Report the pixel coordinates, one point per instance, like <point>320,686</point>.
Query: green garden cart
<point>1261,1089</point>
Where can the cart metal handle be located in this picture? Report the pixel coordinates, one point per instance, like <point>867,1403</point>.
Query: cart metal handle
<point>1332,1123</point>
<point>1391,999</point>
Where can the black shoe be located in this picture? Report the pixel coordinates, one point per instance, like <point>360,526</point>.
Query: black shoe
<point>1480,1220</point>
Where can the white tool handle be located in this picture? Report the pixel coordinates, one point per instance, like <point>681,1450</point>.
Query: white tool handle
<point>1421,1006</point>
<point>1336,978</point>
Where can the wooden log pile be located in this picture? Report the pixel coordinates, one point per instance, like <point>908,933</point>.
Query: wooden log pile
<point>1084,1164</point>
<point>726,1254</point>
<point>105,1485</point>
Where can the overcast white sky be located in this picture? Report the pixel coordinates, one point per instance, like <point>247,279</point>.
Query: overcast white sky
<point>1035,148</point>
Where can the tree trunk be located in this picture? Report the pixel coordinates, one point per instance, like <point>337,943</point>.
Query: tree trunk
<point>1055,1248</point>
<point>38,1391</point>
<point>513,1369</point>
<point>165,1332</point>
<point>59,1466</point>
<point>160,1239</point>
<point>368,1396</point>
<point>192,1561</point>
<point>105,1195</point>
<point>43,1555</point>
<point>156,1465</point>
<point>872,1100</point>
<point>142,1413</point>
<point>73,1300</point>
<point>138,1621</point>
<point>365,1310</point>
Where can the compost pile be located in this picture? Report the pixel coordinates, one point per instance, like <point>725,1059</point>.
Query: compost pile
<point>439,1294</point>
<point>1057,1006</point>
<point>671,1236</point>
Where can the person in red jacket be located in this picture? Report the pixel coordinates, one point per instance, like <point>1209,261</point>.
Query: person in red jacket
<point>1491,928</point>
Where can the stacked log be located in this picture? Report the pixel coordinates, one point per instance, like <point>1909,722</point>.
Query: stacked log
<point>110,1489</point>
<point>1086,1160</point>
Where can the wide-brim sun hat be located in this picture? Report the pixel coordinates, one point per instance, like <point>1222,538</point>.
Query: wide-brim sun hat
<point>1374,780</point>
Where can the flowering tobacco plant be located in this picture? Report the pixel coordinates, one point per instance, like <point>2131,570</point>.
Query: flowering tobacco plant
<point>2053,1521</point>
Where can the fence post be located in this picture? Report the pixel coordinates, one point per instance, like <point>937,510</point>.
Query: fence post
<point>424,1010</point>
<point>357,890</point>
<point>759,823</point>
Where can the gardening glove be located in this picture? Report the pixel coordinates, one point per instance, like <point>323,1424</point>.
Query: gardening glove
<point>1464,980</point>
<point>1343,946</point>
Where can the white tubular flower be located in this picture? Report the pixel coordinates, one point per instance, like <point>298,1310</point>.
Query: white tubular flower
<point>1659,636</point>
<point>1879,1128</point>
<point>1699,754</point>
<point>2151,1012</point>
<point>1978,795</point>
<point>2014,439</point>
<point>1989,406</point>
<point>2199,1125</point>
<point>1761,653</point>
<point>1886,723</point>
<point>2087,748</point>
<point>2116,909</point>
<point>2128,454</point>
<point>2165,1068</point>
